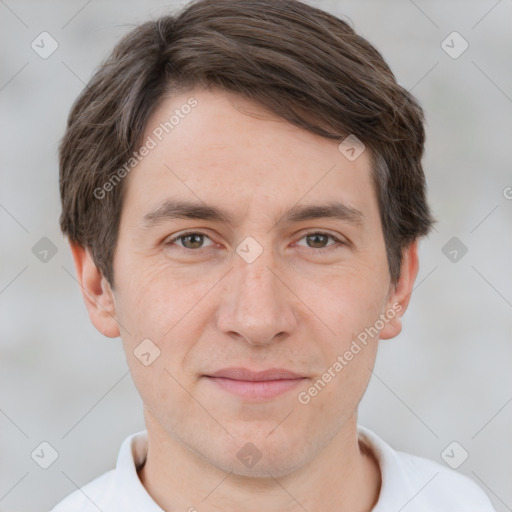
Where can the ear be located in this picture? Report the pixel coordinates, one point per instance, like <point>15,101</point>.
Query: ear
<point>97,294</point>
<point>399,295</point>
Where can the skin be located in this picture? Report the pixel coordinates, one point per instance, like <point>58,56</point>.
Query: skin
<point>297,306</point>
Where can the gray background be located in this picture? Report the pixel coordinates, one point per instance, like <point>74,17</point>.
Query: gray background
<point>445,378</point>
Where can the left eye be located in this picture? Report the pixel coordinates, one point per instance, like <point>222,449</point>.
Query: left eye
<point>320,239</point>
<point>194,240</point>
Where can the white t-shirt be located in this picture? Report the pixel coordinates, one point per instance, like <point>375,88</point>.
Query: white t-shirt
<point>409,484</point>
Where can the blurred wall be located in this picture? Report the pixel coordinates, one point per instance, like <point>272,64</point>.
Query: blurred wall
<point>445,378</point>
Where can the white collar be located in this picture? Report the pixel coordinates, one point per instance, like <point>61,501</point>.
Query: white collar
<point>403,477</point>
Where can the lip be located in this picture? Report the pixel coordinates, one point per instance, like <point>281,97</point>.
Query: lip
<point>248,375</point>
<point>260,385</point>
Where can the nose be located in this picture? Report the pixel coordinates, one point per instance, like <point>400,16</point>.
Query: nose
<point>257,304</point>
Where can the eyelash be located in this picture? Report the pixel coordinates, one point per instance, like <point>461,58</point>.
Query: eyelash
<point>187,233</point>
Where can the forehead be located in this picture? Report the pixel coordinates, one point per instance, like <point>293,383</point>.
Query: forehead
<point>225,150</point>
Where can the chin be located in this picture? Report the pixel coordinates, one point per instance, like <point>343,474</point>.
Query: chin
<point>265,468</point>
<point>254,453</point>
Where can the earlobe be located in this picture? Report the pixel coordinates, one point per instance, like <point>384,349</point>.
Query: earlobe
<point>96,292</point>
<point>400,295</point>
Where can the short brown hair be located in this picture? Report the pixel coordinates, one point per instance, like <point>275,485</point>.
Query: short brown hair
<point>303,64</point>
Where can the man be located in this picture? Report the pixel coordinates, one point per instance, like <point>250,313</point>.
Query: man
<point>243,193</point>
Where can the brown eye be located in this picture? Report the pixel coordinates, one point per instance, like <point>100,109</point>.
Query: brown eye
<point>319,240</point>
<point>191,240</point>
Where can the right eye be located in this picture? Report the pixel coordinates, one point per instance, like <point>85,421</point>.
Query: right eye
<point>190,240</point>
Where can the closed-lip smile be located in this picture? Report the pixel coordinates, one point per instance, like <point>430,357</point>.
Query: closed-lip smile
<point>255,385</point>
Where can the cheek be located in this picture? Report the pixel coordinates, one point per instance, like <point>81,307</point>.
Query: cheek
<point>153,299</point>
<point>351,307</point>
<point>152,309</point>
<point>163,315</point>
<point>347,301</point>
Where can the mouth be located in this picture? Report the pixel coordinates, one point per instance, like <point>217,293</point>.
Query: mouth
<point>250,385</point>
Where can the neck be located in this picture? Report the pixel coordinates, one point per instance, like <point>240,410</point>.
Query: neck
<point>344,477</point>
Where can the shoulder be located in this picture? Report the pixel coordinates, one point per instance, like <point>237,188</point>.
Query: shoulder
<point>117,490</point>
<point>90,497</point>
<point>443,489</point>
<point>416,484</point>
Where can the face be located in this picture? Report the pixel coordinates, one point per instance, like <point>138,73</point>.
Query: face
<point>256,279</point>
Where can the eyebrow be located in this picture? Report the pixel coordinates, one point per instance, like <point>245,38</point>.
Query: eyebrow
<point>184,209</point>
